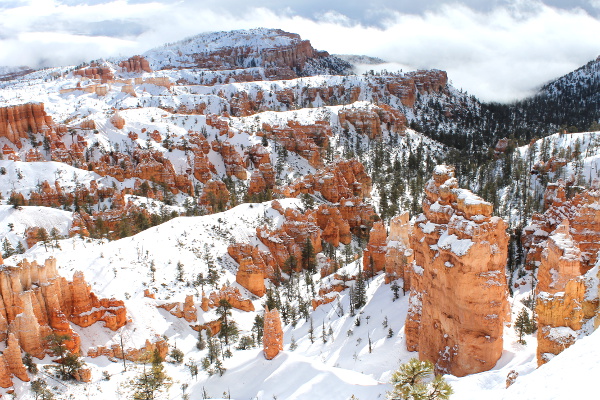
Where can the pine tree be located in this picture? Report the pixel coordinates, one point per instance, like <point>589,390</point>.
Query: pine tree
<point>150,382</point>
<point>413,381</point>
<point>7,248</point>
<point>360,296</point>
<point>523,325</point>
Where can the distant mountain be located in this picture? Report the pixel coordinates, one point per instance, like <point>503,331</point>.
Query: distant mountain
<point>283,55</point>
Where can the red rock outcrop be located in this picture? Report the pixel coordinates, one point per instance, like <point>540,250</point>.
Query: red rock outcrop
<point>563,305</point>
<point>408,85</point>
<point>369,121</point>
<point>186,310</point>
<point>137,64</point>
<point>289,241</point>
<point>12,356</point>
<point>215,196</point>
<point>143,354</point>
<point>251,277</point>
<point>272,334</point>
<point>234,164</point>
<point>203,168</point>
<point>36,301</point>
<point>103,74</point>
<point>583,213</point>
<point>335,228</point>
<point>458,299</point>
<point>5,375</point>
<point>233,296</point>
<point>17,121</point>
<point>374,254</point>
<point>399,256</point>
<point>258,155</point>
<point>308,141</point>
<point>117,121</point>
<point>342,179</point>
<point>281,61</point>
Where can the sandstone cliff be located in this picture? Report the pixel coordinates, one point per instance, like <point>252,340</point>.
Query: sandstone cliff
<point>458,299</point>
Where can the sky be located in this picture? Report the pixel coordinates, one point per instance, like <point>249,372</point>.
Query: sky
<point>498,50</point>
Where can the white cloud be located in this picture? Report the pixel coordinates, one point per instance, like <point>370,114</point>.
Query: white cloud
<point>500,54</point>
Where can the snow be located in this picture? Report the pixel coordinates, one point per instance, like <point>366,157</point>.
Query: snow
<point>460,247</point>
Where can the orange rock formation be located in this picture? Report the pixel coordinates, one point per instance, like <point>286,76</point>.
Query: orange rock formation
<point>37,301</point>
<point>135,64</point>
<point>273,334</point>
<point>458,300</point>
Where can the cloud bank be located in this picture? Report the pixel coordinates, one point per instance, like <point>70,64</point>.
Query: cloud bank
<point>496,50</point>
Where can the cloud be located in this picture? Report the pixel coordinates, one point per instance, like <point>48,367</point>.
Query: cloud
<point>498,50</point>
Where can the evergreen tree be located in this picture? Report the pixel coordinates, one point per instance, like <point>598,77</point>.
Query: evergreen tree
<point>309,262</point>
<point>68,362</point>
<point>360,295</point>
<point>150,382</point>
<point>229,330</point>
<point>413,381</point>
<point>523,325</point>
<point>7,248</point>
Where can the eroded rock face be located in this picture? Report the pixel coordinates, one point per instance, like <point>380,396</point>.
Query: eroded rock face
<point>234,164</point>
<point>215,196</point>
<point>135,64</point>
<point>36,301</point>
<point>342,179</point>
<point>186,310</point>
<point>374,255</point>
<point>308,141</point>
<point>563,304</point>
<point>370,121</point>
<point>233,296</point>
<point>251,277</point>
<point>583,214</point>
<point>142,354</point>
<point>273,334</point>
<point>287,243</point>
<point>458,300</point>
<point>17,121</point>
<point>399,256</point>
<point>408,85</point>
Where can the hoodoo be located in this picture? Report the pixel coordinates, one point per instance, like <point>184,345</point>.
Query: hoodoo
<point>458,299</point>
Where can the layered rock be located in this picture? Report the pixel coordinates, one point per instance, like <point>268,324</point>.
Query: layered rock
<point>233,296</point>
<point>342,179</point>
<point>17,121</point>
<point>369,121</point>
<point>215,196</point>
<point>582,212</point>
<point>308,141</point>
<point>137,64</point>
<point>118,121</point>
<point>399,256</point>
<point>374,255</point>
<point>563,305</point>
<point>458,300</point>
<point>94,71</point>
<point>203,168</point>
<point>234,164</point>
<point>272,334</point>
<point>287,243</point>
<point>251,277</point>
<point>35,302</point>
<point>408,85</point>
<point>186,310</point>
<point>143,354</point>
